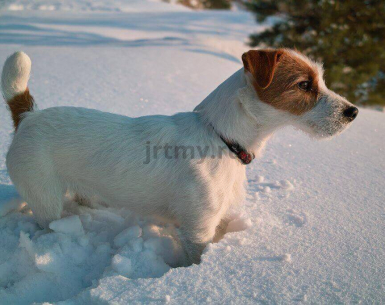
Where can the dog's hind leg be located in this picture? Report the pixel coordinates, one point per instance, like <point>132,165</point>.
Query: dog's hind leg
<point>45,199</point>
<point>37,183</point>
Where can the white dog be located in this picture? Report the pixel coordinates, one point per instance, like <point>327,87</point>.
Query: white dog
<point>189,167</point>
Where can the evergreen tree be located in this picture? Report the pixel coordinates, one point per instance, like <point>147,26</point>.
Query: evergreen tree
<point>207,4</point>
<point>216,4</point>
<point>348,36</point>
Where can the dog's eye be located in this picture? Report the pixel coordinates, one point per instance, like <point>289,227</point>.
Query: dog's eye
<point>305,86</point>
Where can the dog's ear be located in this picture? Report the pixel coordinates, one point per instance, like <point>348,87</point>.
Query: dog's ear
<point>261,64</point>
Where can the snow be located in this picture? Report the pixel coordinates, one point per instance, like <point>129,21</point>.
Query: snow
<point>312,227</point>
<point>68,225</point>
<point>127,235</point>
<point>98,6</point>
<point>238,224</point>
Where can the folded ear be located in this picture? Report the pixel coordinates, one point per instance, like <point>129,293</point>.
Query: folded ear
<point>261,64</point>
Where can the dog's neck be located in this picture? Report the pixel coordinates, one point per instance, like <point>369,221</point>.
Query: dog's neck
<point>226,110</point>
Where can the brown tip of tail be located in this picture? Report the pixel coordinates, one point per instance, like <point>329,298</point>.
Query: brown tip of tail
<point>20,104</point>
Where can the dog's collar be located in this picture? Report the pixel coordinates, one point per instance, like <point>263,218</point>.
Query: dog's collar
<point>242,154</point>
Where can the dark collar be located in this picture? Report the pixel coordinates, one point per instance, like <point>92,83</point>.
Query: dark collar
<point>243,155</point>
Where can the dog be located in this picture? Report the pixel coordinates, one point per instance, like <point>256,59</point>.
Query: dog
<point>93,153</point>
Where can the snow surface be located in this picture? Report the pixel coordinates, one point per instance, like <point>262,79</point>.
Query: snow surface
<point>312,229</point>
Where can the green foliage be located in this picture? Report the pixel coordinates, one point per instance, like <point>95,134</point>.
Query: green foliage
<point>207,4</point>
<point>216,4</point>
<point>348,36</point>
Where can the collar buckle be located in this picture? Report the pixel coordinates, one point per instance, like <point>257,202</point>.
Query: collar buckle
<point>242,154</point>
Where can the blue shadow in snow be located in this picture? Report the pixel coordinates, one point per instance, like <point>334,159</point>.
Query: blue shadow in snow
<point>45,31</point>
<point>217,54</point>
<point>7,195</point>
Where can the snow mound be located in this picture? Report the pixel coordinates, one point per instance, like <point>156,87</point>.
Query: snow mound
<point>78,250</point>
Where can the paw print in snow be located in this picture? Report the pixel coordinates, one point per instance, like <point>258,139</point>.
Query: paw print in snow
<point>259,186</point>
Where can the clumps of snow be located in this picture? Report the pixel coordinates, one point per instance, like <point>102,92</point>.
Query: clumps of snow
<point>44,262</point>
<point>286,258</point>
<point>242,241</point>
<point>122,265</point>
<point>26,243</point>
<point>286,185</point>
<point>259,179</point>
<point>69,225</point>
<point>239,224</point>
<point>127,235</point>
<point>266,189</point>
<point>86,245</point>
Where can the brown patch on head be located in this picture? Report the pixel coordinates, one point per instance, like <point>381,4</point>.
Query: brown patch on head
<point>277,74</point>
<point>19,104</point>
<point>261,64</point>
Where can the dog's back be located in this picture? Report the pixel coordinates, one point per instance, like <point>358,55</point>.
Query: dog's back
<point>95,153</point>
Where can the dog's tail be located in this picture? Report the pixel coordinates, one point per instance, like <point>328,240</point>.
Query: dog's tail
<point>14,81</point>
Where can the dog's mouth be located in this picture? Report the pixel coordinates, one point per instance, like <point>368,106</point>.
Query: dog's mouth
<point>328,119</point>
<point>328,129</point>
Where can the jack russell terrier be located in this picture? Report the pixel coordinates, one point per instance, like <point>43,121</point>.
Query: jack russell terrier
<point>94,153</point>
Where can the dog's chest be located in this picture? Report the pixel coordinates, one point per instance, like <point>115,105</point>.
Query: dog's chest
<point>226,183</point>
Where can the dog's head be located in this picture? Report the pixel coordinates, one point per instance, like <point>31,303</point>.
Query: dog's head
<point>294,87</point>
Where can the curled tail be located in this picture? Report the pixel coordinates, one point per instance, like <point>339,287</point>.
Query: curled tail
<point>14,81</point>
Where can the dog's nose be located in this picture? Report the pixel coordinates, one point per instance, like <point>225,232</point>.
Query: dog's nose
<point>351,113</point>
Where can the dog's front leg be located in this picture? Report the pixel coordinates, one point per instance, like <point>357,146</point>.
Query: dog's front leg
<point>195,233</point>
<point>192,249</point>
<point>221,229</point>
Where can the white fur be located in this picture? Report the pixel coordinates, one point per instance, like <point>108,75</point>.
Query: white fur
<point>96,153</point>
<point>15,76</point>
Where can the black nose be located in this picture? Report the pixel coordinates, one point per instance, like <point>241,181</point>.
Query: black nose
<point>351,113</point>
